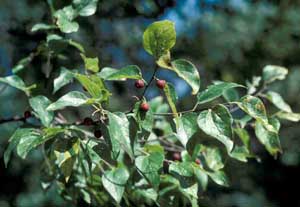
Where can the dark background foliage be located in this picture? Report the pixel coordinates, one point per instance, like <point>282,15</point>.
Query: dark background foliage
<point>229,40</point>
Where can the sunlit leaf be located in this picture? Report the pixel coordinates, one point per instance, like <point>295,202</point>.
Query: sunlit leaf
<point>73,98</point>
<point>278,101</point>
<point>91,64</point>
<point>118,129</point>
<point>114,182</point>
<point>39,105</point>
<point>128,72</point>
<point>159,38</point>
<point>65,77</point>
<point>215,91</point>
<point>218,125</point>
<point>273,72</point>
<point>188,72</point>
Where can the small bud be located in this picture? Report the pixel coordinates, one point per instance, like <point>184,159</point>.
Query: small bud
<point>139,84</point>
<point>176,156</point>
<point>87,121</point>
<point>144,106</point>
<point>97,133</point>
<point>161,84</point>
<point>27,114</point>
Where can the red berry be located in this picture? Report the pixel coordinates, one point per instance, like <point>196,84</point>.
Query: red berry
<point>97,133</point>
<point>139,84</point>
<point>197,161</point>
<point>144,106</point>
<point>176,156</point>
<point>87,121</point>
<point>161,84</point>
<point>27,114</point>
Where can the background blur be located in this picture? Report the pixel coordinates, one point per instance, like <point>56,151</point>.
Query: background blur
<point>229,40</point>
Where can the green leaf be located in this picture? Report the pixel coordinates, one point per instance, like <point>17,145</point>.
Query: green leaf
<point>212,157</point>
<point>201,177</point>
<point>278,101</point>
<point>66,155</point>
<point>23,139</point>
<point>94,85</point>
<point>85,7</point>
<point>240,153</point>
<point>186,127</point>
<point>295,117</point>
<point>65,77</point>
<point>217,124</point>
<point>42,26</point>
<point>114,182</point>
<point>254,107</point>
<point>273,72</point>
<point>148,165</point>
<point>24,62</point>
<point>39,105</point>
<point>244,136</point>
<point>215,91</point>
<point>171,97</point>
<point>188,72</point>
<point>118,129</point>
<point>159,38</point>
<point>91,64</point>
<point>269,139</point>
<point>144,120</point>
<point>65,19</point>
<point>184,169</point>
<point>219,177</point>
<point>16,82</point>
<point>73,98</point>
<point>128,72</point>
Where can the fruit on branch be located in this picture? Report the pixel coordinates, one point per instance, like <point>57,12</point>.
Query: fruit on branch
<point>176,156</point>
<point>27,114</point>
<point>161,84</point>
<point>144,107</point>
<point>197,161</point>
<point>97,133</point>
<point>88,121</point>
<point>139,84</point>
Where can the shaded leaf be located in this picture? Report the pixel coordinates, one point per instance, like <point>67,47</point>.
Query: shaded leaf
<point>171,97</point>
<point>94,85</point>
<point>65,19</point>
<point>16,82</point>
<point>23,139</point>
<point>42,26</point>
<point>269,139</point>
<point>85,7</point>
<point>295,117</point>
<point>148,165</point>
<point>66,155</point>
